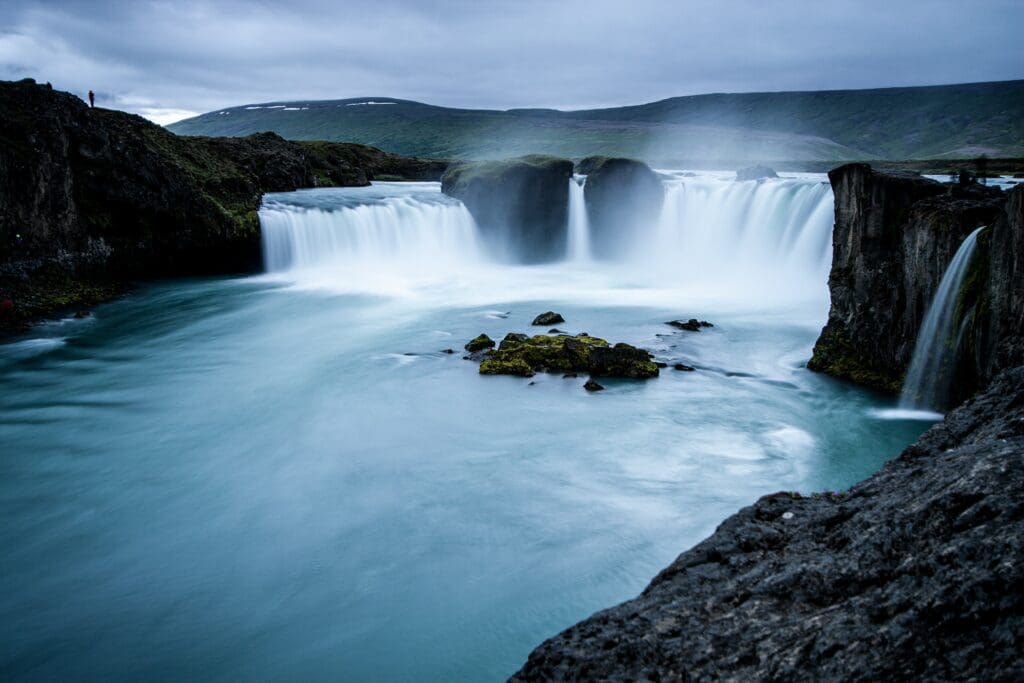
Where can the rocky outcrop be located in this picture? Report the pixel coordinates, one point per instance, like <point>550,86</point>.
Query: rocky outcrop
<point>756,173</point>
<point>522,355</point>
<point>894,236</point>
<point>917,573</point>
<point>521,205</point>
<point>548,318</point>
<point>91,199</point>
<point>622,196</point>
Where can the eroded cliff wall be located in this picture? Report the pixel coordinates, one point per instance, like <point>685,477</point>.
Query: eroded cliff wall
<point>894,236</point>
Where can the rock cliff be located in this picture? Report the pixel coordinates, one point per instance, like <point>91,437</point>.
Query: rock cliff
<point>623,196</point>
<point>916,573</point>
<point>91,199</point>
<point>521,205</point>
<point>894,236</point>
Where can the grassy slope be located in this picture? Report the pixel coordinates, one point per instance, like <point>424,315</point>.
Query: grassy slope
<point>929,122</point>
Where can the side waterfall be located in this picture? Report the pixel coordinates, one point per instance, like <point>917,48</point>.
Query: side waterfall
<point>579,228</point>
<point>938,341</point>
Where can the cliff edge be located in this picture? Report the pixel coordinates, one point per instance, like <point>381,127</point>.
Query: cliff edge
<point>92,199</point>
<point>894,236</point>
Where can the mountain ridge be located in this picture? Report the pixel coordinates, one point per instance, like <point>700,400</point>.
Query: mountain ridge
<point>915,122</point>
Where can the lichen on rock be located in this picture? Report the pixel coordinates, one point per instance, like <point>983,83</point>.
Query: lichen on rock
<point>563,353</point>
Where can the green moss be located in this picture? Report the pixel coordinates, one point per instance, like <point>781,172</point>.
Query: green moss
<point>561,353</point>
<point>565,353</point>
<point>513,366</point>
<point>836,355</point>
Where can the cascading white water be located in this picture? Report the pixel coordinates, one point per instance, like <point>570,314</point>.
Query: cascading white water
<point>756,243</point>
<point>579,225</point>
<point>935,352</point>
<point>389,239</point>
<point>745,235</point>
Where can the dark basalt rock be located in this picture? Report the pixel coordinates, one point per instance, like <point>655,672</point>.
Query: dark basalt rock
<point>683,367</point>
<point>566,354</point>
<point>621,360</point>
<point>93,199</point>
<point>757,172</point>
<point>520,204</point>
<point>548,318</point>
<point>691,325</point>
<point>479,343</point>
<point>591,385</point>
<point>913,574</point>
<point>620,195</point>
<point>894,236</point>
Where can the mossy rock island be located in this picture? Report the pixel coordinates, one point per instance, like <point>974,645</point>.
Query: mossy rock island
<point>523,356</point>
<point>521,205</point>
<point>621,195</point>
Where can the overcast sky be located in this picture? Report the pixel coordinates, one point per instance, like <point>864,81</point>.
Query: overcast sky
<point>172,58</point>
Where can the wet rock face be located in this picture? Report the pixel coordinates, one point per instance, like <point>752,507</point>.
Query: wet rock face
<point>91,199</point>
<point>623,198</point>
<point>521,205</point>
<point>894,236</point>
<point>548,318</point>
<point>914,574</point>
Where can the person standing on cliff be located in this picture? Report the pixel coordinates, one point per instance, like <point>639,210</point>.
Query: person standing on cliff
<point>92,99</point>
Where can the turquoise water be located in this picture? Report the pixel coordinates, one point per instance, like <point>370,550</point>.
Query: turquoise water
<point>273,478</point>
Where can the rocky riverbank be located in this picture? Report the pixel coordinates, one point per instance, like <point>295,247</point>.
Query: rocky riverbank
<point>915,573</point>
<point>93,199</point>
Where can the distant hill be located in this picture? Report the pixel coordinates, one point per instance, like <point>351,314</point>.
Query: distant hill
<point>948,121</point>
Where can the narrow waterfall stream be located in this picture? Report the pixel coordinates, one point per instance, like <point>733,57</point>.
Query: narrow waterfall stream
<point>926,387</point>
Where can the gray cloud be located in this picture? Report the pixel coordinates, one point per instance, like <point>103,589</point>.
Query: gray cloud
<point>165,58</point>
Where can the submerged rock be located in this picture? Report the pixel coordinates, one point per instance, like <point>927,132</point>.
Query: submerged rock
<point>548,318</point>
<point>591,385</point>
<point>521,204</point>
<point>683,367</point>
<point>620,195</point>
<point>757,172</point>
<point>567,354</point>
<point>479,343</point>
<point>691,325</point>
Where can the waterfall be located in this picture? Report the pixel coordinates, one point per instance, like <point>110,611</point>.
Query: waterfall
<point>753,236</point>
<point>579,225</point>
<point>758,243</point>
<point>368,239</point>
<point>938,341</point>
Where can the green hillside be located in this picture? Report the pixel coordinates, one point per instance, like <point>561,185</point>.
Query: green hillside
<point>892,123</point>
